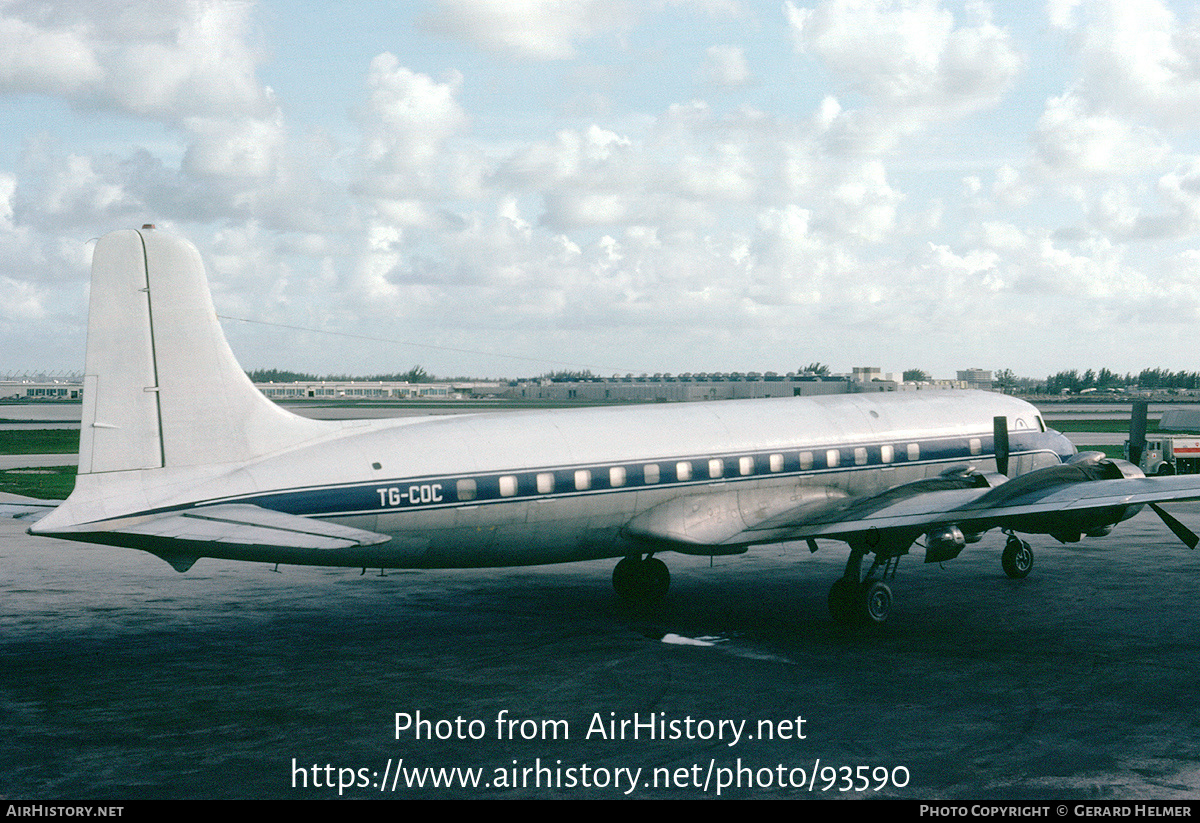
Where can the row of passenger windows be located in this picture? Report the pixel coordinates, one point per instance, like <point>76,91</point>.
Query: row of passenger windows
<point>549,482</point>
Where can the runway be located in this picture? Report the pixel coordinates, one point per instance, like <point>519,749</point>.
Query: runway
<point>122,679</point>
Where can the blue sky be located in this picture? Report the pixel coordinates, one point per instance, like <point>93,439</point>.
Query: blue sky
<point>505,188</point>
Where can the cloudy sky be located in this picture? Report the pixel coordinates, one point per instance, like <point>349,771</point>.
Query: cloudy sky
<point>509,187</point>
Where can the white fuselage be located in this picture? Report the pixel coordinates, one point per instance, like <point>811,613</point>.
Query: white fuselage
<point>502,489</point>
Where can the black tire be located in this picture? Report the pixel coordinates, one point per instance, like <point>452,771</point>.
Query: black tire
<point>624,578</point>
<point>1017,559</point>
<point>641,582</point>
<point>876,602</point>
<point>657,579</point>
<point>841,600</point>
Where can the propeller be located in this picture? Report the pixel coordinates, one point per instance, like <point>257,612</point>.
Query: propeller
<point>1137,432</point>
<point>1000,443</point>
<point>1137,445</point>
<point>1181,531</point>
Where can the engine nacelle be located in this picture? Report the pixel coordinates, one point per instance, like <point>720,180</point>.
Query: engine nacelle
<point>944,543</point>
<point>1067,526</point>
<point>1100,522</point>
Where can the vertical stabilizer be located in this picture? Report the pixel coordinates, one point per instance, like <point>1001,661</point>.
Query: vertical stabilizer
<point>162,388</point>
<point>120,427</point>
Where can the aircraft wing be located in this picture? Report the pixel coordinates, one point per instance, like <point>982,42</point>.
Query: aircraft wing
<point>1035,502</point>
<point>992,507</point>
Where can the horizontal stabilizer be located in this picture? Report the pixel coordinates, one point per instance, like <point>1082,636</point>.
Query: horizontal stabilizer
<point>238,524</point>
<point>28,509</point>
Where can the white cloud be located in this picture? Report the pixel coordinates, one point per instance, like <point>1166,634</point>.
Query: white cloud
<point>166,60</point>
<point>908,53</point>
<point>1137,57</point>
<point>726,66</point>
<point>8,188</point>
<point>25,64</point>
<point>405,129</point>
<point>529,29</point>
<point>1122,217</point>
<point>23,302</point>
<point>1071,138</point>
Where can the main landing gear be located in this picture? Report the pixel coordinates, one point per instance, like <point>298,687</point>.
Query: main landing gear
<point>641,581</point>
<point>868,601</point>
<point>1017,559</point>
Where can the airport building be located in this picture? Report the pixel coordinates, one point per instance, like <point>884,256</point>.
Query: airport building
<point>380,390</point>
<point>976,379</point>
<point>29,390</point>
<point>665,388</point>
<point>662,388</point>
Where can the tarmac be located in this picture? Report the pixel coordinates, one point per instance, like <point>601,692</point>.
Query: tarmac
<point>122,679</point>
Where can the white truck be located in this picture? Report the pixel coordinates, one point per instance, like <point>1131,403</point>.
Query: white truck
<point>1170,454</point>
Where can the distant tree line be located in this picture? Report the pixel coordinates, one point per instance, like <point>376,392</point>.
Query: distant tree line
<point>1150,379</point>
<point>414,375</point>
<point>1004,379</point>
<point>568,376</point>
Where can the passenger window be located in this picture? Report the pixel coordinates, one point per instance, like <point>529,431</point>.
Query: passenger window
<point>716,468</point>
<point>776,462</point>
<point>583,480</point>
<point>508,485</point>
<point>466,489</point>
<point>650,472</point>
<point>976,445</point>
<point>806,460</point>
<point>616,476</point>
<point>545,483</point>
<point>860,456</point>
<point>745,466</point>
<point>831,457</point>
<point>914,451</point>
<point>683,470</point>
<point>886,454</point>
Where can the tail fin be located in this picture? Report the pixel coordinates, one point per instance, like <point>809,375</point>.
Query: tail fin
<point>162,388</point>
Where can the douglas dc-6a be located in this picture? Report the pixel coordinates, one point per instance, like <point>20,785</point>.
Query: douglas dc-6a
<point>181,456</point>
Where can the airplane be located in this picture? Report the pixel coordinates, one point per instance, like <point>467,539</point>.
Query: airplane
<point>181,456</point>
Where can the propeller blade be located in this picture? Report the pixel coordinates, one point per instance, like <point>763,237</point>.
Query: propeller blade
<point>1137,432</point>
<point>1181,531</point>
<point>1000,443</point>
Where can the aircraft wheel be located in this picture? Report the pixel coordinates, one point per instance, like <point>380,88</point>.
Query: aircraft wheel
<point>641,581</point>
<point>876,602</point>
<point>624,578</point>
<point>657,578</point>
<point>841,600</point>
<point>1017,559</point>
